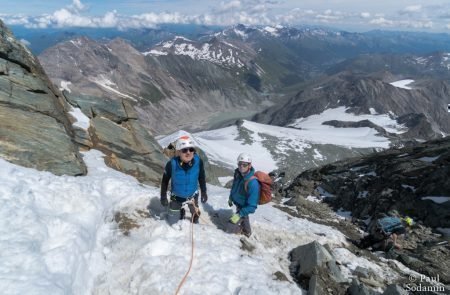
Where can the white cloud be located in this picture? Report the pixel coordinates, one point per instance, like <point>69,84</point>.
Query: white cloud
<point>329,16</point>
<point>381,21</point>
<point>250,12</point>
<point>418,24</point>
<point>227,6</point>
<point>16,20</point>
<point>77,5</point>
<point>151,19</point>
<point>65,18</point>
<point>425,24</point>
<point>413,8</point>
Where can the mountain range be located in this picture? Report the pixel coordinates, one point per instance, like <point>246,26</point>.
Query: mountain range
<point>274,75</point>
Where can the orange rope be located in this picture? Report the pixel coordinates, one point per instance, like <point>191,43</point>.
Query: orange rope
<point>192,251</point>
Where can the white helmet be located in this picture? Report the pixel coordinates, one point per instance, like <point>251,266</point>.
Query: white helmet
<point>184,142</point>
<point>244,157</point>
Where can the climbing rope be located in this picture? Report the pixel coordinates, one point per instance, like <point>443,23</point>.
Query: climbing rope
<point>192,243</point>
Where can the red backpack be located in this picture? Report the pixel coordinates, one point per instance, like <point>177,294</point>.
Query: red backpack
<point>265,182</point>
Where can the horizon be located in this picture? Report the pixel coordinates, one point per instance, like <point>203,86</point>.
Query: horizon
<point>21,28</point>
<point>431,16</point>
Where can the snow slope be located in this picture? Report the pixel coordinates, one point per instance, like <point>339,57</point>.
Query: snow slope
<point>58,237</point>
<point>268,143</point>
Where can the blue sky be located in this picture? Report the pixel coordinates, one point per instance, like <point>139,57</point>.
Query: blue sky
<point>352,15</point>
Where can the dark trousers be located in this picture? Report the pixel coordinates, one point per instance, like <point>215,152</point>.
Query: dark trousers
<point>176,212</point>
<point>241,227</point>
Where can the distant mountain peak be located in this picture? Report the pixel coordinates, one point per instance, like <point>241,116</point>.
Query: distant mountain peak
<point>215,50</point>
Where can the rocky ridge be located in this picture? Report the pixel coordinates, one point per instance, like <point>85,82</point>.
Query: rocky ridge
<point>412,180</point>
<point>38,130</point>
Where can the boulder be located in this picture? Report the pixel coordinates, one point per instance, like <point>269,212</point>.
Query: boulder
<point>308,257</point>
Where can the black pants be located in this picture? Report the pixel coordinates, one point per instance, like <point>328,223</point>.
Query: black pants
<point>176,212</point>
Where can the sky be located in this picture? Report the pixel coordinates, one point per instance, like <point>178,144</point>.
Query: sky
<point>351,15</point>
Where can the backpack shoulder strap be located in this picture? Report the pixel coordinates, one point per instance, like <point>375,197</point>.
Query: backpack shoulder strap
<point>236,172</point>
<point>247,181</point>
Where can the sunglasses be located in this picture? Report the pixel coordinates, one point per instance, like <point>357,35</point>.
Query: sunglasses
<point>243,164</point>
<point>185,150</point>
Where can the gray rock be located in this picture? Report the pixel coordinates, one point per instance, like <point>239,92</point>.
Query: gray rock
<point>356,288</point>
<point>93,106</point>
<point>129,148</point>
<point>308,257</point>
<point>395,290</point>
<point>361,272</point>
<point>335,272</point>
<point>315,286</point>
<point>82,137</point>
<point>37,141</point>
<point>35,131</point>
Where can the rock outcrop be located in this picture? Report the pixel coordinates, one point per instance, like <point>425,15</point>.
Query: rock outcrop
<point>316,269</point>
<point>115,130</point>
<point>34,129</point>
<point>412,180</point>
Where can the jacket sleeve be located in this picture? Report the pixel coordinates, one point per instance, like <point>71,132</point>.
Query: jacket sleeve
<point>165,179</point>
<point>202,177</point>
<point>252,200</point>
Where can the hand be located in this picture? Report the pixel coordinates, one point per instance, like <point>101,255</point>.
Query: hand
<point>204,197</point>
<point>164,201</point>
<point>230,202</point>
<point>235,218</point>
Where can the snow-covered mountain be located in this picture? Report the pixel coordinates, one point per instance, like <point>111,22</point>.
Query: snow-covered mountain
<point>216,51</point>
<point>245,32</point>
<point>239,69</point>
<point>421,106</point>
<point>196,90</point>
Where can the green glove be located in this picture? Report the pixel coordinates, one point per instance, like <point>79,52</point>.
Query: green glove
<point>230,202</point>
<point>235,218</point>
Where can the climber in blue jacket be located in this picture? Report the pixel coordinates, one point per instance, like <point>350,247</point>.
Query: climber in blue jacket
<point>245,197</point>
<point>186,171</point>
